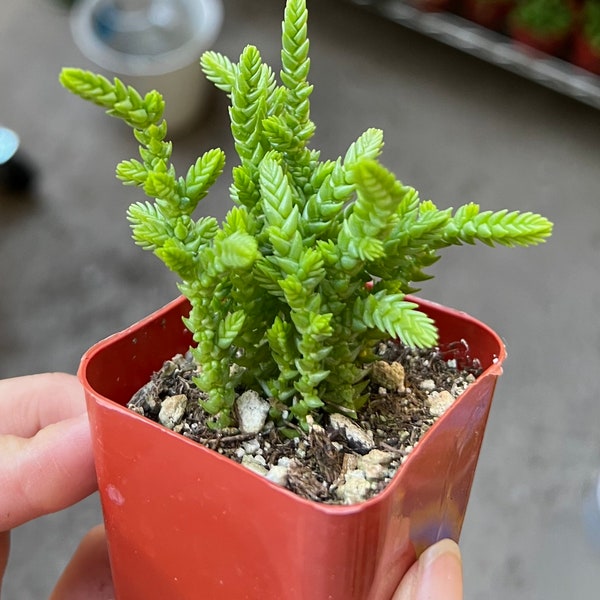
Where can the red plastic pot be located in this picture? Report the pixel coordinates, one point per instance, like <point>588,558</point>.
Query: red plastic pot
<point>491,14</point>
<point>552,44</point>
<point>584,55</point>
<point>184,523</point>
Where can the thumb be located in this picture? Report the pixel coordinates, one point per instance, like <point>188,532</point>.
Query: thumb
<point>87,576</point>
<point>437,575</point>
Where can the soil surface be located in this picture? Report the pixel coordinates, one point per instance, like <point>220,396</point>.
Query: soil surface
<point>339,461</point>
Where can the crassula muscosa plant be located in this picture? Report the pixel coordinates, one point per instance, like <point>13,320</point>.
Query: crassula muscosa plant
<point>281,292</point>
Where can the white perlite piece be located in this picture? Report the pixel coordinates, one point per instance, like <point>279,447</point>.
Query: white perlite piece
<point>355,489</point>
<point>172,410</point>
<point>458,387</point>
<point>251,446</point>
<point>376,457</point>
<point>255,463</point>
<point>252,411</point>
<point>360,473</point>
<point>374,464</point>
<point>427,385</point>
<point>278,474</point>
<point>440,402</point>
<point>354,434</point>
<point>388,376</point>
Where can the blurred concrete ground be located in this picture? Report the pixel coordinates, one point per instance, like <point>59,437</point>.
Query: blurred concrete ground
<point>458,130</point>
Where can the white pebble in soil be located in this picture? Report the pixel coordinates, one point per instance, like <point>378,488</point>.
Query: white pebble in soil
<point>439,402</point>
<point>172,410</point>
<point>252,412</point>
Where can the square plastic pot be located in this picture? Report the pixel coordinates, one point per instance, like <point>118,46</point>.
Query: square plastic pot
<point>183,522</point>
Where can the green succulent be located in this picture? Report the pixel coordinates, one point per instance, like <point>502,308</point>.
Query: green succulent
<point>310,268</point>
<point>544,17</point>
<point>590,17</point>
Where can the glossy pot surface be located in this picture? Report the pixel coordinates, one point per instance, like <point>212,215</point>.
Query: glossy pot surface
<point>184,523</point>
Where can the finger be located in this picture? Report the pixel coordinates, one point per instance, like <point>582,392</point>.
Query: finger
<point>28,404</point>
<point>87,576</point>
<point>437,575</point>
<point>4,549</point>
<point>45,473</point>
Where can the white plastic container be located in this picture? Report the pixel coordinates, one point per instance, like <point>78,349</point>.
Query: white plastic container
<point>151,56</point>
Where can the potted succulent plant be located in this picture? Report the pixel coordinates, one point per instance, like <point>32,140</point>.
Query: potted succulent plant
<point>545,25</point>
<point>586,40</point>
<point>290,302</point>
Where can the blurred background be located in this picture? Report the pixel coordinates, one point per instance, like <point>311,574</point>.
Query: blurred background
<point>458,129</point>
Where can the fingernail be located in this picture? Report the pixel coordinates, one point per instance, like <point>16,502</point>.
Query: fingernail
<point>440,572</point>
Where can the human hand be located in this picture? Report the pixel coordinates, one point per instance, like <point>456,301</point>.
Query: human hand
<point>437,575</point>
<point>46,465</point>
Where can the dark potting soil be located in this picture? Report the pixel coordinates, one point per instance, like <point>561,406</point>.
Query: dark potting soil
<point>336,463</point>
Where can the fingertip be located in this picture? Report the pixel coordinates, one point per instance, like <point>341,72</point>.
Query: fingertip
<point>46,473</point>
<point>31,402</point>
<point>436,575</point>
<point>440,572</point>
<point>445,547</point>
